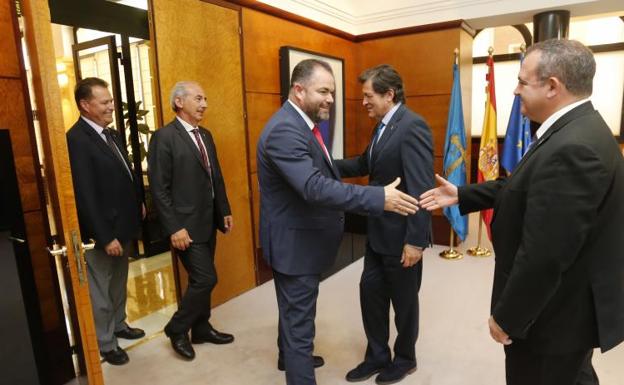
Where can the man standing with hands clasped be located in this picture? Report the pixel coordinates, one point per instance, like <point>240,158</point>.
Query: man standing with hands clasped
<point>401,147</point>
<point>189,193</point>
<point>301,211</point>
<point>557,228</point>
<point>109,211</point>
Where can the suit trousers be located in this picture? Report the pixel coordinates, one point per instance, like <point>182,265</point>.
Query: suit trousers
<point>194,308</point>
<point>525,367</point>
<point>296,300</point>
<point>108,279</point>
<point>384,281</point>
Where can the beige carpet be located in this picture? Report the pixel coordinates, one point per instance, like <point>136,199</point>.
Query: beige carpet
<point>454,347</point>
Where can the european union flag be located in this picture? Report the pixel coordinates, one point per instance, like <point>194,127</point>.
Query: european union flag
<point>455,155</point>
<point>517,137</point>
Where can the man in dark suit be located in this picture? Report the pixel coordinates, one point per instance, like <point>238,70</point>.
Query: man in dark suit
<point>189,193</point>
<point>301,211</point>
<point>401,147</point>
<point>557,227</point>
<point>109,211</point>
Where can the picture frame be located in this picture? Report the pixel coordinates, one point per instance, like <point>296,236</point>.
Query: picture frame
<point>332,130</point>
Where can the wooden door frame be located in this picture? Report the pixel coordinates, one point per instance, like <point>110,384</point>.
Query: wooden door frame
<point>38,36</point>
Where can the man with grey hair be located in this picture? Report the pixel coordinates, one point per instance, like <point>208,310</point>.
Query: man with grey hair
<point>557,229</point>
<point>301,211</point>
<point>189,193</point>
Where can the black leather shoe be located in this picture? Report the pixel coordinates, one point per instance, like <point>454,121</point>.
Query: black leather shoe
<point>318,362</point>
<point>181,344</point>
<point>393,374</point>
<point>130,333</point>
<point>212,336</point>
<point>363,372</point>
<point>116,356</point>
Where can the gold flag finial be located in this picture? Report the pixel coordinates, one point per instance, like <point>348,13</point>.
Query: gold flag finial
<point>491,50</point>
<point>456,52</point>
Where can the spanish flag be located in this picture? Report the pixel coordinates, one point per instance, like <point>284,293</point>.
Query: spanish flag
<point>488,150</point>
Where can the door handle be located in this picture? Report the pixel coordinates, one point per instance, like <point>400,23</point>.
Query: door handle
<point>15,239</point>
<point>88,246</point>
<point>57,250</point>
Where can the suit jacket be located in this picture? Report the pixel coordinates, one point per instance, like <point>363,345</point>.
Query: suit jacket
<point>404,150</point>
<point>301,197</point>
<point>182,187</point>
<point>108,200</point>
<point>558,234</point>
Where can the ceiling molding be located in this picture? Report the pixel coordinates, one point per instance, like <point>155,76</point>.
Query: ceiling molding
<point>357,17</point>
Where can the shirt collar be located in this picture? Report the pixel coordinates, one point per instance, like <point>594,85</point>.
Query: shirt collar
<point>386,119</point>
<point>99,129</point>
<point>187,126</point>
<point>554,117</point>
<point>305,117</point>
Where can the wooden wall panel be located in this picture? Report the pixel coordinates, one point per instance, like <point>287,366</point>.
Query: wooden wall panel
<point>435,111</point>
<point>424,60</point>
<point>9,62</point>
<point>203,44</point>
<point>263,35</point>
<point>260,108</point>
<point>13,116</point>
<point>255,193</point>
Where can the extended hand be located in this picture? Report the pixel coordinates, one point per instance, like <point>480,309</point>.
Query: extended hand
<point>411,255</point>
<point>497,333</point>
<point>443,196</point>
<point>114,248</point>
<point>181,239</point>
<point>228,221</point>
<point>398,201</point>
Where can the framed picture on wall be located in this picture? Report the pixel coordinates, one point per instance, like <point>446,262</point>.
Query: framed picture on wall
<point>332,130</point>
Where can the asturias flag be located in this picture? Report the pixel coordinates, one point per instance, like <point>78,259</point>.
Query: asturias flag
<point>488,150</point>
<point>517,137</point>
<point>455,155</point>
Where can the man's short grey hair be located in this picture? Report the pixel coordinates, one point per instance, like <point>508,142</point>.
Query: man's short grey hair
<point>179,90</point>
<point>569,61</point>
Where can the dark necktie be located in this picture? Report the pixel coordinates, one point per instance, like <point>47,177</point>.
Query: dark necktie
<point>319,139</point>
<point>113,146</point>
<point>204,156</point>
<point>531,144</point>
<point>376,137</point>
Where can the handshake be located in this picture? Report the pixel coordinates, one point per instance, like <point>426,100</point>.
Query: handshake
<point>443,196</point>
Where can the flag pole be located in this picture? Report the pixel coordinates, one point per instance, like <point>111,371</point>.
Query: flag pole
<point>479,251</point>
<point>451,253</point>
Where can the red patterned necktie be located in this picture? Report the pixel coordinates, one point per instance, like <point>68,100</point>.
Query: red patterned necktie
<point>202,151</point>
<point>319,139</point>
<point>204,156</point>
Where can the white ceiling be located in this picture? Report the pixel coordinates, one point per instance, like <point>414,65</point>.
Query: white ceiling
<point>366,16</point>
